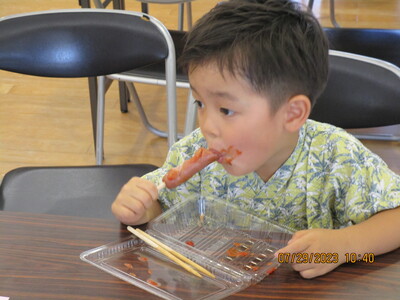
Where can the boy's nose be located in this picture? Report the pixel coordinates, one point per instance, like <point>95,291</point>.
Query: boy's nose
<point>208,126</point>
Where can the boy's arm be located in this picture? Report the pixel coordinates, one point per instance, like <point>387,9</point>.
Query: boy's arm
<point>378,234</point>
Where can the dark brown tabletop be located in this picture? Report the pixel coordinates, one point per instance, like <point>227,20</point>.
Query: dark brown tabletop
<point>39,259</point>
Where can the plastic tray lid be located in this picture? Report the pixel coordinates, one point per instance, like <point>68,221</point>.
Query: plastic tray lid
<point>222,236</point>
<point>235,246</point>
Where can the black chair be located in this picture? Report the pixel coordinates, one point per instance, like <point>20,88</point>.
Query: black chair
<point>75,191</point>
<point>332,15</point>
<point>383,44</point>
<point>152,74</point>
<point>155,74</point>
<point>361,92</point>
<point>120,4</point>
<point>82,43</point>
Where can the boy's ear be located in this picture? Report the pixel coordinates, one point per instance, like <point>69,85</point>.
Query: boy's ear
<point>298,109</point>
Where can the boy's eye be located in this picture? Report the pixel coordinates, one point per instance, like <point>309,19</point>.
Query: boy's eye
<point>198,103</point>
<point>226,111</point>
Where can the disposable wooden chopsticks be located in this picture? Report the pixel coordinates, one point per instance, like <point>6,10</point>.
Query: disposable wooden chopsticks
<point>163,251</point>
<point>170,253</point>
<point>177,254</point>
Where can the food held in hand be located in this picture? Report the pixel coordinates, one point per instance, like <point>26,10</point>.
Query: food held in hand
<point>202,158</point>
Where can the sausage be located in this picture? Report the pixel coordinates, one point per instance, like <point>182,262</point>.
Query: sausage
<point>202,158</point>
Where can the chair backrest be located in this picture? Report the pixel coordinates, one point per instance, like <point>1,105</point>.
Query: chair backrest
<point>77,191</point>
<point>82,42</point>
<point>378,43</point>
<point>157,70</point>
<point>361,92</point>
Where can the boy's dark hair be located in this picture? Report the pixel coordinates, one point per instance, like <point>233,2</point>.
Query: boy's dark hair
<point>277,46</point>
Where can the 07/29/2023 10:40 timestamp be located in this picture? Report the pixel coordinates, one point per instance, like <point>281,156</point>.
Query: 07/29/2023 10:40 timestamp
<point>324,258</point>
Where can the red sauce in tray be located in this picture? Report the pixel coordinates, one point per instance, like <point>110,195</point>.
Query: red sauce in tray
<point>142,258</point>
<point>190,243</point>
<point>269,272</point>
<point>234,252</point>
<point>129,266</point>
<point>152,282</point>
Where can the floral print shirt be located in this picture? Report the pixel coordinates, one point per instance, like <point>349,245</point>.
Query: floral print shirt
<point>330,181</point>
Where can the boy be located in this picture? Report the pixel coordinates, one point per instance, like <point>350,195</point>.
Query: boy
<point>256,68</point>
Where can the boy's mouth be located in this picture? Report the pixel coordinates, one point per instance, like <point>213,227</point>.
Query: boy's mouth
<point>229,154</point>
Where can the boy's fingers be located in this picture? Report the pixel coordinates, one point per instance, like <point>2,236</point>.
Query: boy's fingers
<point>302,267</point>
<point>297,235</point>
<point>125,214</point>
<point>312,272</point>
<point>297,246</point>
<point>150,188</point>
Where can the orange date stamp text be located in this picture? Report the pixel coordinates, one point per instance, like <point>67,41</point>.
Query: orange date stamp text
<point>308,258</point>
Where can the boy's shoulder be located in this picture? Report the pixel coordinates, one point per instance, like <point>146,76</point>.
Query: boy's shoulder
<point>319,136</point>
<point>318,130</point>
<point>332,145</point>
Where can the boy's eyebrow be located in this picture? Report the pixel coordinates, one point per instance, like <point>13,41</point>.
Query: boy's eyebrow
<point>225,95</point>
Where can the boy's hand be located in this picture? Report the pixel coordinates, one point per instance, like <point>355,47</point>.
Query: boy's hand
<point>315,252</point>
<point>137,202</point>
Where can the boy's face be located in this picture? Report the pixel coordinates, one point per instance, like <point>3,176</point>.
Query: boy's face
<point>230,113</point>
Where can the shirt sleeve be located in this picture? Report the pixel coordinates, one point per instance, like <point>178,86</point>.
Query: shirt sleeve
<point>372,187</point>
<point>353,182</point>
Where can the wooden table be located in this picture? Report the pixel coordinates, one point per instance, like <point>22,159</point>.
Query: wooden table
<point>39,259</point>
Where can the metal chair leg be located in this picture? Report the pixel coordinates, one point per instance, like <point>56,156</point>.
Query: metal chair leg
<point>100,119</point>
<point>189,15</point>
<point>98,4</point>
<point>123,97</point>
<point>142,114</point>
<point>93,106</point>
<point>181,16</point>
<point>332,13</point>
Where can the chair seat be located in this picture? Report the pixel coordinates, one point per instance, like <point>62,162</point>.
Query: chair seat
<point>84,191</point>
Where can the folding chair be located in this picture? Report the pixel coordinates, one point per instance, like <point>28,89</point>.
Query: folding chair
<point>383,44</point>
<point>332,14</point>
<point>152,74</point>
<point>361,92</point>
<point>120,4</point>
<point>155,74</point>
<point>82,43</point>
<point>75,191</point>
<point>181,14</point>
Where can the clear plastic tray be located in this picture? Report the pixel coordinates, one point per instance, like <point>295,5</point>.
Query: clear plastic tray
<point>238,248</point>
